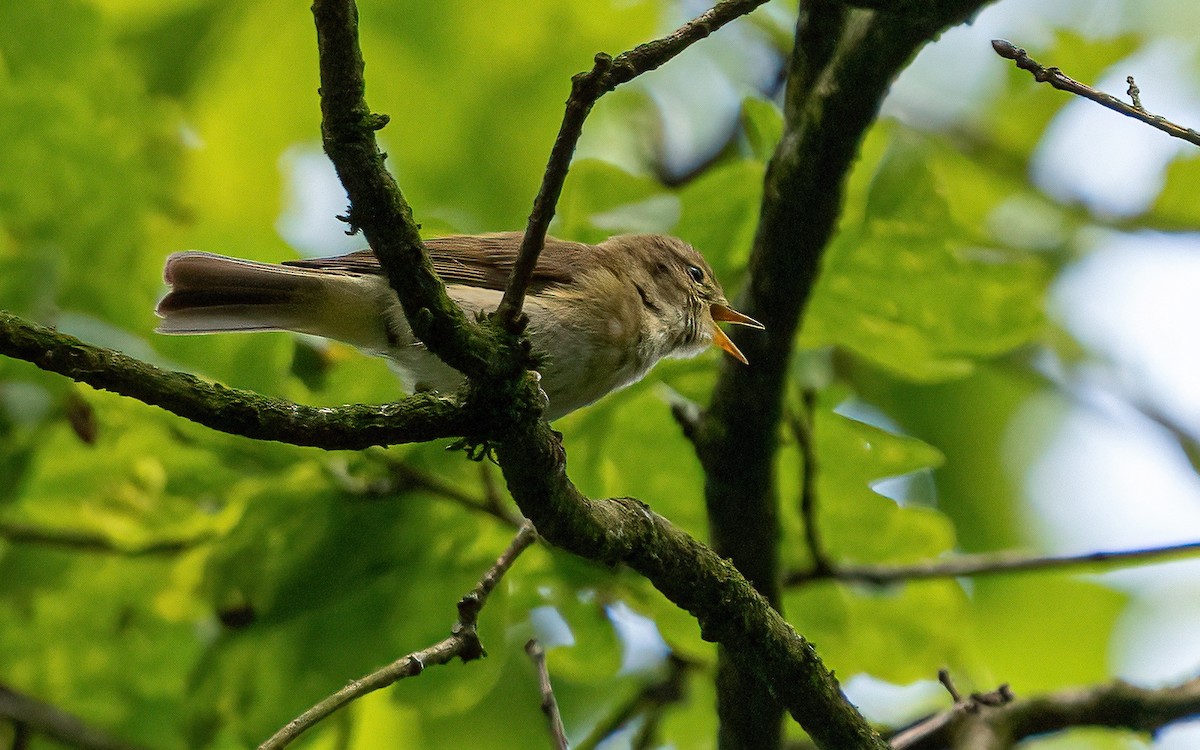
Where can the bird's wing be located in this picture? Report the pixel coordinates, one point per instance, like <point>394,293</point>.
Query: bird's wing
<point>483,260</point>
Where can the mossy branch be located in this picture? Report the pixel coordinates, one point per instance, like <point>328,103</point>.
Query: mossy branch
<point>378,208</point>
<point>415,419</point>
<point>842,64</point>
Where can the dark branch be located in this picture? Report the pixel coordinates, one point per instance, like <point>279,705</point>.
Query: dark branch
<point>1062,82</point>
<point>802,429</point>
<point>402,477</point>
<point>352,427</point>
<point>463,643</point>
<point>690,574</point>
<point>842,65</point>
<point>586,88</point>
<point>991,564</point>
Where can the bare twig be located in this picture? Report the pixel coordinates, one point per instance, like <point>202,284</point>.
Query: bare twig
<point>462,643</point>
<point>802,429</point>
<point>586,88</point>
<point>1062,82</point>
<point>33,716</point>
<point>648,702</point>
<point>83,540</point>
<point>991,564</point>
<point>939,724</point>
<point>997,719</point>
<point>493,499</point>
<point>405,477</point>
<point>558,733</point>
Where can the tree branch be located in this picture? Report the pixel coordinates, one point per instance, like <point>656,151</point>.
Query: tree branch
<point>649,702</point>
<point>801,425</point>
<point>402,477</point>
<point>558,734</point>
<point>841,67</point>
<point>989,564</point>
<point>416,419</point>
<point>84,540</point>
<point>729,610</point>
<point>53,722</point>
<point>690,574</point>
<point>379,210</point>
<point>586,89</point>
<point>1062,82</point>
<point>1117,705</point>
<point>462,643</point>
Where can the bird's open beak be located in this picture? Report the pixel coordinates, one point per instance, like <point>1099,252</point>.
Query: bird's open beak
<point>726,314</point>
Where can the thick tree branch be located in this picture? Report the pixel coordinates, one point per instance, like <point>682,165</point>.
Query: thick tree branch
<point>1062,82</point>
<point>690,574</point>
<point>841,67</point>
<point>586,88</point>
<point>416,419</point>
<point>990,564</point>
<point>463,643</point>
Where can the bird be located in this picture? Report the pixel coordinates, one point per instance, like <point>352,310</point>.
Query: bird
<point>600,316</point>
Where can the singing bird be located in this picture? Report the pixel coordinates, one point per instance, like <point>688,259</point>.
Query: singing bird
<point>600,316</point>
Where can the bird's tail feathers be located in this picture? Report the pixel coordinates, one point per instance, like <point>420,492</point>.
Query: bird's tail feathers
<point>214,293</point>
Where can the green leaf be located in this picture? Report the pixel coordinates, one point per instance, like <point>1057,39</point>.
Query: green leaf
<point>912,291</point>
<point>860,630</point>
<point>855,523</point>
<point>1059,636</point>
<point>82,140</point>
<point>762,122</point>
<point>601,199</point>
<point>1176,204</point>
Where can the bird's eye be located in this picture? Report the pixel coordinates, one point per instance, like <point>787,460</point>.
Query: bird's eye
<point>696,274</point>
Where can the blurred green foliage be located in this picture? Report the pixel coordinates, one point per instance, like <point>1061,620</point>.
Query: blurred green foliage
<point>135,128</point>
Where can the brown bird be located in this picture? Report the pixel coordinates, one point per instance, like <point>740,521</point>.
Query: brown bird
<point>600,316</point>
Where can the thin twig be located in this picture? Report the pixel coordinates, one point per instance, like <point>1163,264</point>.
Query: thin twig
<point>32,716</point>
<point>1062,82</point>
<point>998,719</point>
<point>493,498</point>
<point>648,702</point>
<point>463,643</point>
<point>802,429</point>
<point>991,564</point>
<point>558,733</point>
<point>405,477</point>
<point>83,540</point>
<point>586,88</point>
<point>937,725</point>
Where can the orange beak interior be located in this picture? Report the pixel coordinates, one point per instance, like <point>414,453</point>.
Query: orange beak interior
<point>726,314</point>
